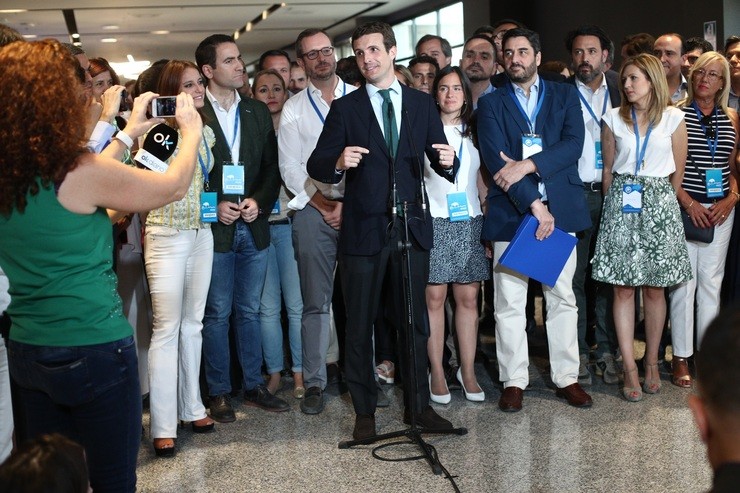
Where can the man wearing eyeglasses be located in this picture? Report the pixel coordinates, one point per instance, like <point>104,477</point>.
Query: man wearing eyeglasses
<point>317,206</point>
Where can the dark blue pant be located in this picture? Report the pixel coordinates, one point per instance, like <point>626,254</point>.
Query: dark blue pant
<point>89,394</point>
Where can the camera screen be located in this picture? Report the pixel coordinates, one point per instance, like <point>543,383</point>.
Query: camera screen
<point>166,106</point>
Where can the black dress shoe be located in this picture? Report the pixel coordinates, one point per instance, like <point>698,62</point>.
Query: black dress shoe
<point>364,426</point>
<point>428,419</point>
<point>313,401</point>
<point>262,398</point>
<point>221,410</point>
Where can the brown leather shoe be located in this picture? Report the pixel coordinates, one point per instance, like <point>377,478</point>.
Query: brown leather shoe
<point>364,426</point>
<point>511,400</point>
<point>576,396</point>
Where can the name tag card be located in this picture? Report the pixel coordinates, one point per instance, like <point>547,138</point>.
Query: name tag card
<point>631,198</point>
<point>457,206</point>
<point>531,144</point>
<point>233,179</point>
<point>599,156</point>
<point>208,207</point>
<point>713,182</point>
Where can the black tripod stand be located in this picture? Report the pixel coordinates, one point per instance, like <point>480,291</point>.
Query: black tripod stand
<point>413,433</point>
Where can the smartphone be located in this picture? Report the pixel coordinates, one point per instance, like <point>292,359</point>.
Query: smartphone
<point>123,106</point>
<point>164,106</point>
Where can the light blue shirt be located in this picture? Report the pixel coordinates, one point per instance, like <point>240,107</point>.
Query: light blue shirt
<point>488,90</point>
<point>529,103</point>
<point>376,101</point>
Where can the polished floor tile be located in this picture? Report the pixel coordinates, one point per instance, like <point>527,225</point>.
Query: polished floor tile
<point>616,446</point>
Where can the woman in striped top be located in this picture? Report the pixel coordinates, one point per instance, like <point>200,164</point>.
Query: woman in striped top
<point>708,193</point>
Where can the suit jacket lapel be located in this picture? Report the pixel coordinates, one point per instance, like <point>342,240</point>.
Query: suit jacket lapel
<point>221,148</point>
<point>247,128</point>
<point>366,114</point>
<point>546,105</point>
<point>513,109</point>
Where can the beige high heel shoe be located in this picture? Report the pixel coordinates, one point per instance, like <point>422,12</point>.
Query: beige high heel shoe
<point>632,394</point>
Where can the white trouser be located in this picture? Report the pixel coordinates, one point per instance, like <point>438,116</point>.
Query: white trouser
<point>178,266</point>
<point>509,303</point>
<point>708,270</point>
<point>6,408</point>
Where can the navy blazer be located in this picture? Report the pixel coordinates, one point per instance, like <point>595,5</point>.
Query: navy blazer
<point>560,123</point>
<point>365,213</point>
<point>258,152</point>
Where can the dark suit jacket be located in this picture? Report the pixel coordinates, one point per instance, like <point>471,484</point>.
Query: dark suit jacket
<point>365,215</point>
<point>612,84</point>
<point>560,123</point>
<point>258,152</point>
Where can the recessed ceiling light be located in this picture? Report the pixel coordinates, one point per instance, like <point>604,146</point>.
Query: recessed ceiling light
<point>12,11</point>
<point>75,35</point>
<point>30,36</point>
<point>110,27</point>
<point>160,32</point>
<point>108,40</point>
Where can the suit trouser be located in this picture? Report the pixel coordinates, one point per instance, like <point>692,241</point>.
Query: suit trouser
<point>510,299</point>
<point>586,289</point>
<point>708,269</point>
<point>362,281</point>
<point>315,245</point>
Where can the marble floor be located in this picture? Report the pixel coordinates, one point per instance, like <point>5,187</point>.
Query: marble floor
<point>616,446</point>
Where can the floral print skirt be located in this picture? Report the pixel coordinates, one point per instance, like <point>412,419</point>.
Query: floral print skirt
<point>642,249</point>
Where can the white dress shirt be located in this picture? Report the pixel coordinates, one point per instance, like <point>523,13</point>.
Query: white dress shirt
<point>587,162</point>
<point>226,120</point>
<point>299,130</point>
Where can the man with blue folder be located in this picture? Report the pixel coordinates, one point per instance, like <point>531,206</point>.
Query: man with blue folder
<point>531,135</point>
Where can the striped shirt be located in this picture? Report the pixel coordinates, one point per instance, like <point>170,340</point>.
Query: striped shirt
<point>700,158</point>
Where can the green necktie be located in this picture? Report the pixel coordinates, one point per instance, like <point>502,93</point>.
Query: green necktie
<point>389,122</point>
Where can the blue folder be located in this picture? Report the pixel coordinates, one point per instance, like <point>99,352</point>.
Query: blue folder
<point>542,260</point>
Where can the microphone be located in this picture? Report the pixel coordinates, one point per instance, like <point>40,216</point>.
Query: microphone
<point>418,164</point>
<point>158,146</point>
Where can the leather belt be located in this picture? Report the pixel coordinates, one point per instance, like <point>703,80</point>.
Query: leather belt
<point>592,186</point>
<point>277,222</point>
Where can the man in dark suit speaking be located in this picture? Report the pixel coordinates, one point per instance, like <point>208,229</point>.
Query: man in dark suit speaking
<point>531,135</point>
<point>373,138</point>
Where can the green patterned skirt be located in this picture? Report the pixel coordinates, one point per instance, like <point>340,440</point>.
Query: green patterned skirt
<point>645,249</point>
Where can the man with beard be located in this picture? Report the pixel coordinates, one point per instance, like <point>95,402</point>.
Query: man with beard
<point>423,70</point>
<point>530,134</point>
<point>479,64</point>
<point>317,206</point>
<point>598,91</point>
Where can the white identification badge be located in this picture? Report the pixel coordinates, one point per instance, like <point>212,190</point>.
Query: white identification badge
<point>531,144</point>
<point>208,207</point>
<point>233,179</point>
<point>599,157</point>
<point>457,206</point>
<point>631,198</point>
<point>713,181</point>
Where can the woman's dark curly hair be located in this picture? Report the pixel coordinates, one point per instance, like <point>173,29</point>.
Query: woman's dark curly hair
<point>42,122</point>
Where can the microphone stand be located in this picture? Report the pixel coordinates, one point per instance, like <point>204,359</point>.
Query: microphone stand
<point>413,433</point>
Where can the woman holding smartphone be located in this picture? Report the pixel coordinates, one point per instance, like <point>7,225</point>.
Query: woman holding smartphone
<point>71,350</point>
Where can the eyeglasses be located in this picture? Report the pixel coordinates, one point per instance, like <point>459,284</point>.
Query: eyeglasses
<point>710,76</point>
<point>706,122</point>
<point>314,54</point>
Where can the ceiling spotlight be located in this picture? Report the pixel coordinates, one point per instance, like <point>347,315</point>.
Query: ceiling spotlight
<point>108,40</point>
<point>30,36</point>
<point>110,27</point>
<point>160,32</point>
<point>12,11</point>
<point>76,36</point>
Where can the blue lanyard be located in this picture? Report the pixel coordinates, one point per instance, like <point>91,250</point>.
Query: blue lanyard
<point>590,110</point>
<point>204,166</point>
<point>460,153</point>
<point>640,152</point>
<point>236,129</point>
<point>712,145</point>
<point>536,109</point>
<point>316,108</point>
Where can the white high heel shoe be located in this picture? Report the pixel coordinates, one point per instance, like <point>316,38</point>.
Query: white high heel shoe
<point>439,399</point>
<point>471,396</point>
